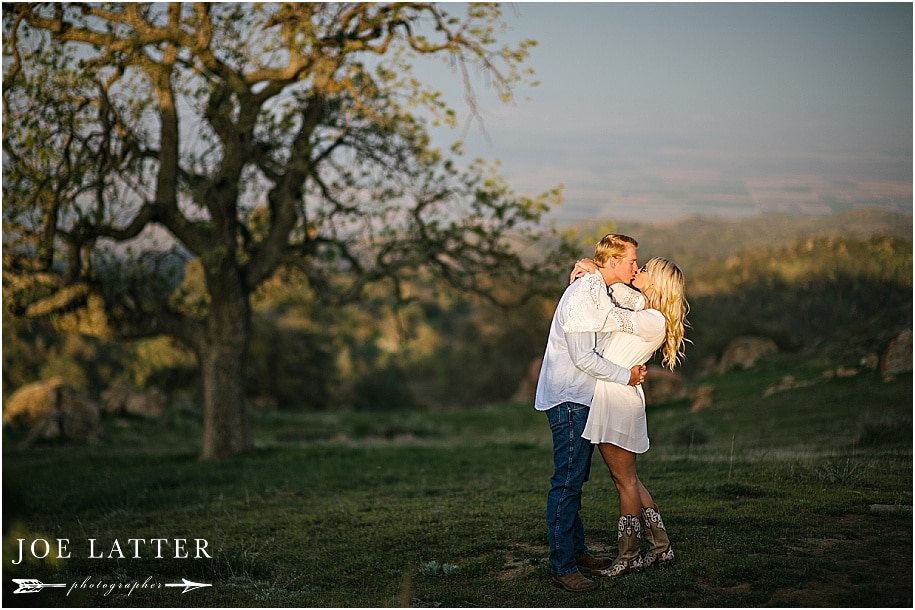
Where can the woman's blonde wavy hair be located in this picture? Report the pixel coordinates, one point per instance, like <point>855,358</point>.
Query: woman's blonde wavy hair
<point>668,295</point>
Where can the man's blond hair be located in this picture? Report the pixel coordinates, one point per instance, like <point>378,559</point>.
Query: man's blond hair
<point>612,245</point>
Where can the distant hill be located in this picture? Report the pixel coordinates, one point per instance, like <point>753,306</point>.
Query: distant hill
<point>700,239</point>
<point>840,283</point>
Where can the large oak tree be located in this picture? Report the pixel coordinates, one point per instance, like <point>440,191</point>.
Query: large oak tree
<point>247,138</point>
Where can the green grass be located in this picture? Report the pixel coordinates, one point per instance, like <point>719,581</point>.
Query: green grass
<point>802,498</point>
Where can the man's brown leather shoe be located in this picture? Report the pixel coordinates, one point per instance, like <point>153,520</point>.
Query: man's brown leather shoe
<point>589,564</point>
<point>573,582</point>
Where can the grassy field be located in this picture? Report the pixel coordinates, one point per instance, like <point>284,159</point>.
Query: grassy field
<point>801,498</point>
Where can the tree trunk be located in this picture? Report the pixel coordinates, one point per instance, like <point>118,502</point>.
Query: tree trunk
<point>222,365</point>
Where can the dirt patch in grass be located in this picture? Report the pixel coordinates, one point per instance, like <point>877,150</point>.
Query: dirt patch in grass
<point>812,595</point>
<point>832,584</point>
<point>521,560</point>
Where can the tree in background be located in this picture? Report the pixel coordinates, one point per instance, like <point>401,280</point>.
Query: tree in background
<point>245,138</point>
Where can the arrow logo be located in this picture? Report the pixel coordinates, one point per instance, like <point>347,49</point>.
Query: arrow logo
<point>187,584</point>
<point>30,585</point>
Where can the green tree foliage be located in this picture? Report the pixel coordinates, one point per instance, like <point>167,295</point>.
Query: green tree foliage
<point>247,138</point>
<point>838,297</point>
<point>482,352</point>
<point>838,294</point>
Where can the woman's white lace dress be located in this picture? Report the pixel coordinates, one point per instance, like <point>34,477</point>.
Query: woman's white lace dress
<point>617,413</point>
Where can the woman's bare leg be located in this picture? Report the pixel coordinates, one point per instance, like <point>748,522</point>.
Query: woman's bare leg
<point>644,496</point>
<point>635,502</point>
<point>622,468</point>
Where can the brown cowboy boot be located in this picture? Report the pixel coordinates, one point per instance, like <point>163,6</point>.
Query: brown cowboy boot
<point>588,564</point>
<point>660,552</point>
<point>629,539</point>
<point>573,582</point>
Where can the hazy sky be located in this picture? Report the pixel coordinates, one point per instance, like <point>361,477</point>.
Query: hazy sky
<point>665,110</point>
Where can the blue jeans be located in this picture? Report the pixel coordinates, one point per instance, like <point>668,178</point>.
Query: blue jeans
<point>571,468</point>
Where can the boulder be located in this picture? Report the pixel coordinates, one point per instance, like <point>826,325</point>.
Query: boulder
<point>743,352</point>
<point>701,397</point>
<point>113,398</point>
<point>32,402</point>
<point>789,383</point>
<point>79,417</point>
<point>149,404</point>
<point>870,361</point>
<point>52,409</point>
<point>120,398</point>
<point>662,385</point>
<point>897,357</point>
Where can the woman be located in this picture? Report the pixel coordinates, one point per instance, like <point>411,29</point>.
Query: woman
<point>617,423</point>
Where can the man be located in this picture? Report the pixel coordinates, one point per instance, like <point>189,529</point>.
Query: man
<point>572,364</point>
